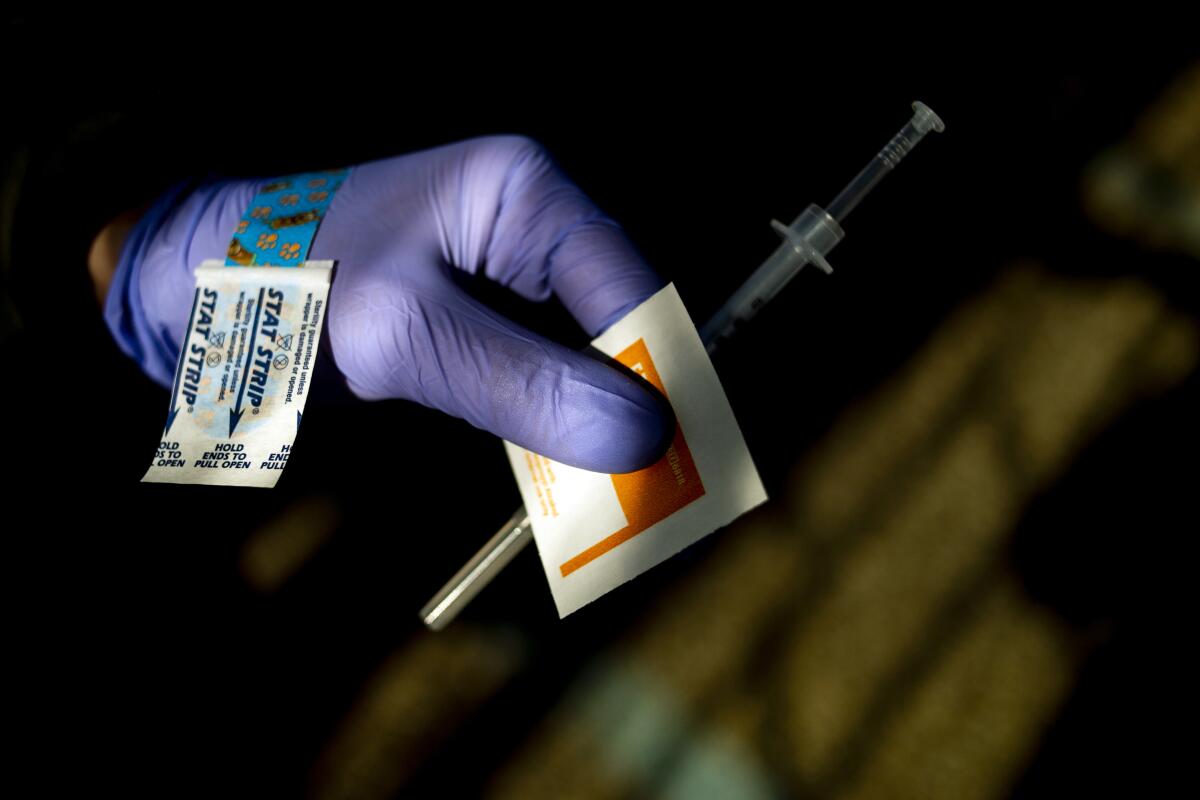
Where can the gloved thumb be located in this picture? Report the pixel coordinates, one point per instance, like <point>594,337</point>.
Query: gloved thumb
<point>452,353</point>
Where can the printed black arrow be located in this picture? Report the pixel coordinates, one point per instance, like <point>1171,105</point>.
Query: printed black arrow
<point>179,368</point>
<point>235,416</point>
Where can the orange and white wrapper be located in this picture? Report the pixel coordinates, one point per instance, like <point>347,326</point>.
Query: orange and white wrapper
<point>594,531</point>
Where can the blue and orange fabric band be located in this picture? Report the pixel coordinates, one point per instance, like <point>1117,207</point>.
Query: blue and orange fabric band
<point>278,228</point>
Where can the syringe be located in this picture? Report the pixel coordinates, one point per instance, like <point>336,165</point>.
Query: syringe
<point>815,232</point>
<point>807,240</point>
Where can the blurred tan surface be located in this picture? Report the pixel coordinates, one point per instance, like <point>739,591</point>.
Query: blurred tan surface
<point>864,634</point>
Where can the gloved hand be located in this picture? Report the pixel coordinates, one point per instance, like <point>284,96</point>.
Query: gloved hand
<point>397,326</point>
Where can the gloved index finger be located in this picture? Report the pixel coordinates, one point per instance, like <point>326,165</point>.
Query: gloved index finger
<point>599,275</point>
<point>549,236</point>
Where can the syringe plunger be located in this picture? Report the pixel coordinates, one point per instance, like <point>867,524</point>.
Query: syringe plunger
<point>923,121</point>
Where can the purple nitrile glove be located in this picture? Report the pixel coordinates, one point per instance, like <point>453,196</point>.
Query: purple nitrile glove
<point>397,326</point>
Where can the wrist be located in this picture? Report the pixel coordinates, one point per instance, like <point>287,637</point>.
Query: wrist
<point>105,250</point>
<point>132,324</point>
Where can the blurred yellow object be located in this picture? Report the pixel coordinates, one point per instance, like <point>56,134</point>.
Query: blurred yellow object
<point>866,636</point>
<point>284,544</point>
<point>1148,186</point>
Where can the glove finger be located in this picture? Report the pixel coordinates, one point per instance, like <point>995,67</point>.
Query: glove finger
<point>449,352</point>
<point>548,236</point>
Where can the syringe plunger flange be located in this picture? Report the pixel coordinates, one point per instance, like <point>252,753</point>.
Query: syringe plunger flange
<point>923,121</point>
<point>812,235</point>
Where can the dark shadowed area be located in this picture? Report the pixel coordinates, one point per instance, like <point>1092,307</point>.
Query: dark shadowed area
<point>977,435</point>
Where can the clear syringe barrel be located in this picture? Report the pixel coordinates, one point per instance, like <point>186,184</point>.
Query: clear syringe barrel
<point>806,241</point>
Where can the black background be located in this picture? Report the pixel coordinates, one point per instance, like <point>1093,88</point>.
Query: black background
<point>143,661</point>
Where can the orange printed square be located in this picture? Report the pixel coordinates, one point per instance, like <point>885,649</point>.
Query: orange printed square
<point>649,495</point>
